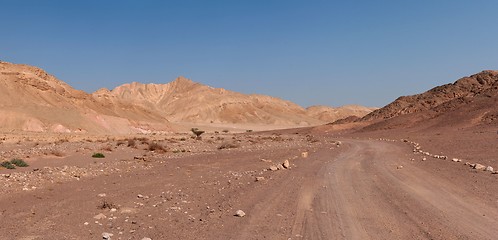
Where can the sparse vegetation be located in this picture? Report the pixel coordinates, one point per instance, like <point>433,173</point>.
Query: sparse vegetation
<point>132,143</point>
<point>107,148</point>
<point>7,165</point>
<point>106,205</point>
<point>197,133</point>
<point>228,145</point>
<point>98,155</point>
<point>56,153</point>
<point>19,162</point>
<point>156,147</point>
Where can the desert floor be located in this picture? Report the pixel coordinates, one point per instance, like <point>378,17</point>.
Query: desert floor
<point>337,186</point>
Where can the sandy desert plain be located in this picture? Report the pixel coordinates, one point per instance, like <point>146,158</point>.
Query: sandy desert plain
<point>422,167</point>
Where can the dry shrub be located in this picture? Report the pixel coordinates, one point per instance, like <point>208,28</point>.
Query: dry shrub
<point>132,143</point>
<point>156,147</point>
<point>107,148</point>
<point>57,153</point>
<point>106,205</point>
<point>228,145</point>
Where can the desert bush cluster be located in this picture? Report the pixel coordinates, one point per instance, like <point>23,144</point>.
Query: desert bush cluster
<point>14,163</point>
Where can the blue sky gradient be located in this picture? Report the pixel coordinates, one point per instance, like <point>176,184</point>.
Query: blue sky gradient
<point>310,52</point>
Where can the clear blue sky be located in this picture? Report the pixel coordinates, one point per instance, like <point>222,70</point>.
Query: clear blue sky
<point>309,52</point>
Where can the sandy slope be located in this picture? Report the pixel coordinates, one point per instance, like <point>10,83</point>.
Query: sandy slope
<point>33,100</point>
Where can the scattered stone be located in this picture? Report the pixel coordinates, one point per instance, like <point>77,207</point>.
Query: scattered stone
<point>423,159</point>
<point>107,235</point>
<point>141,158</point>
<point>304,154</point>
<point>240,213</point>
<point>399,167</point>
<point>478,166</point>
<point>489,169</point>
<point>86,223</point>
<point>128,210</point>
<point>286,164</point>
<point>260,179</point>
<point>113,210</point>
<point>102,195</point>
<point>273,168</point>
<point>99,216</point>
<point>456,160</point>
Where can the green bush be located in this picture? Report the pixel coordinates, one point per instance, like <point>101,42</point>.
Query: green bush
<point>98,155</point>
<point>19,162</point>
<point>7,165</point>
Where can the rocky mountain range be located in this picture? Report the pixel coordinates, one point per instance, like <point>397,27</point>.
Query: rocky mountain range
<point>469,101</point>
<point>33,100</point>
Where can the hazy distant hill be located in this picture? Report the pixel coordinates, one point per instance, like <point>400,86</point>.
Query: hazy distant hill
<point>186,101</point>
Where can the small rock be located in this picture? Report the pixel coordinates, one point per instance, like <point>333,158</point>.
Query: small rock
<point>489,169</point>
<point>478,166</point>
<point>99,216</point>
<point>113,210</point>
<point>273,168</point>
<point>146,238</point>
<point>240,213</point>
<point>102,195</point>
<point>107,235</point>
<point>86,223</point>
<point>140,196</point>
<point>260,179</point>
<point>423,159</point>
<point>399,167</point>
<point>286,164</point>
<point>456,160</point>
<point>304,154</point>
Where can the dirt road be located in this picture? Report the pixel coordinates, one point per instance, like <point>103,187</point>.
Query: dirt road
<point>364,189</point>
<point>372,191</point>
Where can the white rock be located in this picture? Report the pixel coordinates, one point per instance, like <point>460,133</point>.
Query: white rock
<point>107,235</point>
<point>240,213</point>
<point>286,164</point>
<point>478,166</point>
<point>489,169</point>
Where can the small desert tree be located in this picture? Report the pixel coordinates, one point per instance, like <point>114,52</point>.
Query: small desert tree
<point>197,133</point>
